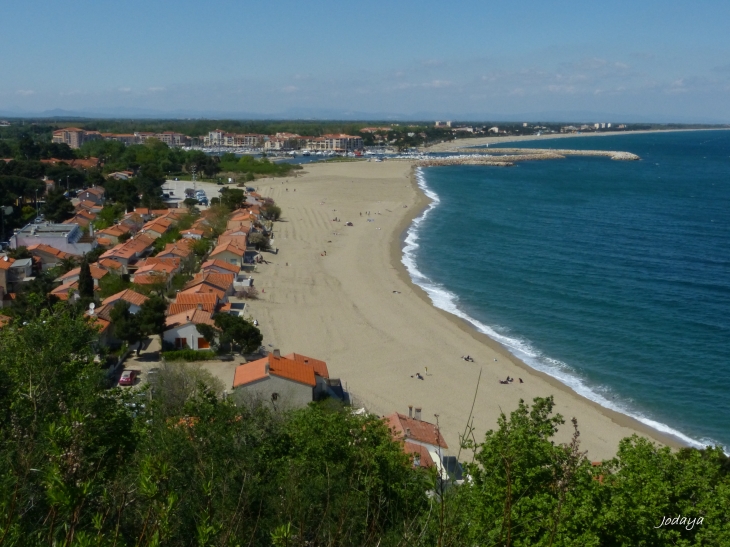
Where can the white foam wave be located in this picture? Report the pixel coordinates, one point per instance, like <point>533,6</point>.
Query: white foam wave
<point>448,301</point>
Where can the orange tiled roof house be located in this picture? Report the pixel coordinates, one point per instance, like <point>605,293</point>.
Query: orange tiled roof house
<point>289,381</point>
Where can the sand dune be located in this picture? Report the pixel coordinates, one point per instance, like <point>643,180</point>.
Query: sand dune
<point>342,308</point>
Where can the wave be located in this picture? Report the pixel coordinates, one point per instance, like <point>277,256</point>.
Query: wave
<point>446,300</point>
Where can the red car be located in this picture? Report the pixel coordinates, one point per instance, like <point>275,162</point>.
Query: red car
<point>128,378</point>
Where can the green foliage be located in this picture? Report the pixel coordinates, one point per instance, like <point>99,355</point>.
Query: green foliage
<point>189,355</point>
<point>109,216</point>
<point>200,247</point>
<point>171,236</point>
<point>251,166</point>
<point>271,211</point>
<point>237,331</point>
<point>259,241</point>
<point>152,315</point>
<point>232,198</point>
<point>83,465</point>
<point>19,253</point>
<point>57,207</point>
<point>112,284</point>
<point>126,326</point>
<point>86,282</point>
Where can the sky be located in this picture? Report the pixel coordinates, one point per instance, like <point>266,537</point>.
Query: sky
<point>636,60</point>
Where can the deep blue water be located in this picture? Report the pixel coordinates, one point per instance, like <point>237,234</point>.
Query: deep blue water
<point>612,276</point>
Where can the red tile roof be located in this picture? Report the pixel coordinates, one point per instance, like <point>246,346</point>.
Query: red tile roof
<point>195,298</point>
<point>175,307</point>
<point>196,316</point>
<point>320,367</point>
<point>222,264</point>
<point>128,295</point>
<point>419,453</point>
<point>96,272</point>
<point>278,366</point>
<point>6,262</point>
<point>43,248</point>
<point>404,427</point>
<point>231,247</point>
<point>248,373</point>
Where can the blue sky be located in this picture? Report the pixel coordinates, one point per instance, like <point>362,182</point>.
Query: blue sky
<point>661,60</point>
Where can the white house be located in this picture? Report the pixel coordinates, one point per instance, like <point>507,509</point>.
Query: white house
<point>182,329</point>
<point>291,381</point>
<point>422,440</point>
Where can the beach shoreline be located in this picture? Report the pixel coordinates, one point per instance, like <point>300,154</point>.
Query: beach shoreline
<point>458,145</point>
<point>343,294</point>
<point>397,248</point>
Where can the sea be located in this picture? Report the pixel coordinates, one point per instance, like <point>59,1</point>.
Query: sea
<point>611,276</point>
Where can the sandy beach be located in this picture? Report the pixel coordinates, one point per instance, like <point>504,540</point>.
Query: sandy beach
<point>454,146</point>
<point>356,308</point>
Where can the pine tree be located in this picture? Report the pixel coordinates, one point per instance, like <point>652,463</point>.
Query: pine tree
<point>86,282</point>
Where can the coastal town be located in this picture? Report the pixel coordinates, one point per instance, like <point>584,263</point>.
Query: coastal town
<point>177,282</point>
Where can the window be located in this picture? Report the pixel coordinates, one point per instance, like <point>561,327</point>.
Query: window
<point>203,343</point>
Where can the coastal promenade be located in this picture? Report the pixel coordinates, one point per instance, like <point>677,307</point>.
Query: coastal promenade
<point>341,293</point>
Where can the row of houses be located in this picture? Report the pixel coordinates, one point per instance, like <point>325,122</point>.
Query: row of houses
<point>283,141</point>
<point>75,137</point>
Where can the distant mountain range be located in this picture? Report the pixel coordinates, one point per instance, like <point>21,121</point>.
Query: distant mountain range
<point>353,115</point>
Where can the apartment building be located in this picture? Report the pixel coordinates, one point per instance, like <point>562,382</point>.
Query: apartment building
<point>74,137</point>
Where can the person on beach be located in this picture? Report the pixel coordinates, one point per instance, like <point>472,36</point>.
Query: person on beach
<point>520,379</point>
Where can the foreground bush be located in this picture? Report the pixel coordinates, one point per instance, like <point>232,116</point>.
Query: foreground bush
<point>81,465</point>
<point>189,355</point>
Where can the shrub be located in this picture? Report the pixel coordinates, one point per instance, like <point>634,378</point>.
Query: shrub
<point>188,355</point>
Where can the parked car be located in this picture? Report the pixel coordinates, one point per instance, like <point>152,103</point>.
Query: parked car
<point>128,378</point>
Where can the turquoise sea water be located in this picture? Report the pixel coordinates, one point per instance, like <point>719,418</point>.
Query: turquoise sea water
<point>612,276</point>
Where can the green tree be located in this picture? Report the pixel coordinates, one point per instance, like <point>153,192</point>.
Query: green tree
<point>57,207</point>
<point>152,315</point>
<point>271,211</point>
<point>259,241</point>
<point>238,331</point>
<point>112,284</point>
<point>62,438</point>
<point>86,282</point>
<point>126,326</point>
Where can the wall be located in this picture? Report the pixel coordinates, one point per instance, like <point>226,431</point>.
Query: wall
<point>188,331</point>
<point>291,394</point>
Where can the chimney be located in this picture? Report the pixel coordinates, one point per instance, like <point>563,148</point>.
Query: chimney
<point>418,414</point>
<point>410,411</point>
<point>277,353</point>
<point>266,368</point>
<point>200,307</point>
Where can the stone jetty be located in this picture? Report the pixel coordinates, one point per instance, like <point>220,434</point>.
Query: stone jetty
<point>551,153</point>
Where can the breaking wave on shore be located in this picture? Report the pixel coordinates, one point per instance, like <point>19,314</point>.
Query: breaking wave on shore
<point>446,300</point>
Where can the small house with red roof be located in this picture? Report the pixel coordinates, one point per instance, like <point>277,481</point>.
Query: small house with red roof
<point>182,329</point>
<point>290,381</point>
<point>423,442</point>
